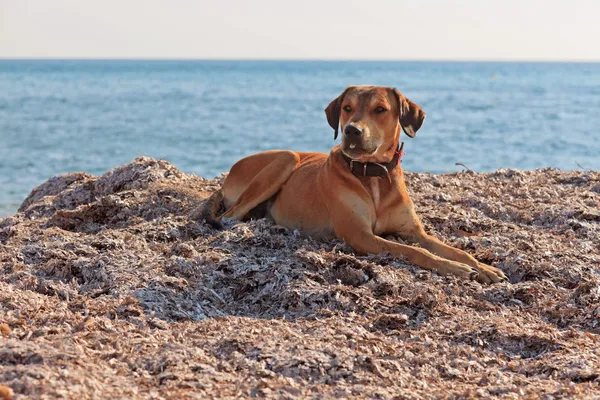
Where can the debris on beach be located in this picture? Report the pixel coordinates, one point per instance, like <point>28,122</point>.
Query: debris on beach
<point>108,289</point>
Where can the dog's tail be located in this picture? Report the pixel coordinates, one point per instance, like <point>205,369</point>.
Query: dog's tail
<point>209,209</point>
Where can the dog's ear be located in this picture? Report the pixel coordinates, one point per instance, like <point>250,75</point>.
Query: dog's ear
<point>411,115</point>
<point>333,111</point>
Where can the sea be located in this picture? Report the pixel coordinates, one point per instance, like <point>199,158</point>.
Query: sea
<point>60,116</point>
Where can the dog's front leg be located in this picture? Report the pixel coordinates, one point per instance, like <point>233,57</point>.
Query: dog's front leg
<point>370,243</point>
<point>487,273</point>
<point>412,230</point>
<point>353,225</point>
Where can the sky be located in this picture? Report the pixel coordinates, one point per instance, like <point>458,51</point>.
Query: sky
<point>549,30</point>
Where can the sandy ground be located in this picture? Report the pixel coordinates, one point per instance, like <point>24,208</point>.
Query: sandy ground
<point>109,290</point>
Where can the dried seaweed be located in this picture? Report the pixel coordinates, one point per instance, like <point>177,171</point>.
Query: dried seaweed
<point>109,290</point>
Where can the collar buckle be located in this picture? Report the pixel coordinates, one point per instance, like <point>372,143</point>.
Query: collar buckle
<point>387,172</point>
<point>352,162</point>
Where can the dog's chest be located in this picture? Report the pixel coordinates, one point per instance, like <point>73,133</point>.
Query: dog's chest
<point>382,197</point>
<point>375,191</point>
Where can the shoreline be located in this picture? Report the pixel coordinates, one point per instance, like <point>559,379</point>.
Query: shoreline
<point>10,209</point>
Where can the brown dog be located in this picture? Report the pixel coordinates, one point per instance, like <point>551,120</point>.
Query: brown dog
<point>356,193</point>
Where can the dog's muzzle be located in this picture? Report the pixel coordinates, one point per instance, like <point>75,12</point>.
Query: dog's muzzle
<point>353,132</point>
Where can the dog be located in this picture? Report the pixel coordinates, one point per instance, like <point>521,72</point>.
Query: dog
<point>356,193</point>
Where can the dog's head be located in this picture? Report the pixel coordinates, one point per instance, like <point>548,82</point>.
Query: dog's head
<point>371,118</point>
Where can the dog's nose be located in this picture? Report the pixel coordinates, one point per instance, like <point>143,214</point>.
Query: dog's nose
<point>353,131</point>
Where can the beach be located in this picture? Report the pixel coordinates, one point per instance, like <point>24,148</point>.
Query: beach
<point>110,290</point>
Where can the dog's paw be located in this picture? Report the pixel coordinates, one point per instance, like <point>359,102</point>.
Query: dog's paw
<point>488,274</point>
<point>446,267</point>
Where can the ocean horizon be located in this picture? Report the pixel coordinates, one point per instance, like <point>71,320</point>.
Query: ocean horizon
<point>343,60</point>
<point>59,116</point>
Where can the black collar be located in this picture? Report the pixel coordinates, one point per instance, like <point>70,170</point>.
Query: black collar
<point>373,168</point>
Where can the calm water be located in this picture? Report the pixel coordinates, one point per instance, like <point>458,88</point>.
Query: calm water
<point>62,116</point>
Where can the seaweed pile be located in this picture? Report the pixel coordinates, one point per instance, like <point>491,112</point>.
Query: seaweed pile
<point>109,289</point>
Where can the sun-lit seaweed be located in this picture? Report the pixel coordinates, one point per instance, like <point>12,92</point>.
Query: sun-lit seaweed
<point>110,290</point>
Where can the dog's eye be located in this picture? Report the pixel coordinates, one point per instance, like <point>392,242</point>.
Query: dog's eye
<point>379,110</point>
<point>347,109</point>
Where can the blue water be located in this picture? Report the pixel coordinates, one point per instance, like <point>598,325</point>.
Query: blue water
<point>62,116</point>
